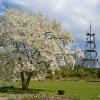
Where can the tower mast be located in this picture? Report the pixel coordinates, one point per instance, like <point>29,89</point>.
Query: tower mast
<point>90,60</point>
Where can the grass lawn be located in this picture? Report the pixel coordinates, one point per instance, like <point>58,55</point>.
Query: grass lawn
<point>77,89</point>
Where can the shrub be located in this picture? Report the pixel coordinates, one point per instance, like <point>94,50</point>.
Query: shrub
<point>98,73</point>
<point>49,76</point>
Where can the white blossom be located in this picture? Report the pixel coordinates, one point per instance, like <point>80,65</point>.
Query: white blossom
<point>34,31</point>
<point>79,53</point>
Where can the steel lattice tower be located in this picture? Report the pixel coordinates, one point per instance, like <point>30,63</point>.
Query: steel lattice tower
<point>90,60</point>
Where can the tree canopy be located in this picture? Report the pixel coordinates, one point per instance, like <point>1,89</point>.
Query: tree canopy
<point>32,42</point>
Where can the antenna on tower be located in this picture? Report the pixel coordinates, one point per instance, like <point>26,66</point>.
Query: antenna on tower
<point>90,26</point>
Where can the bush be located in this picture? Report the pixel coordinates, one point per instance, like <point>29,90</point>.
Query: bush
<point>98,73</point>
<point>49,76</point>
<point>78,72</point>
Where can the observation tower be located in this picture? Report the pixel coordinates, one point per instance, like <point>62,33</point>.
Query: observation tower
<point>90,59</point>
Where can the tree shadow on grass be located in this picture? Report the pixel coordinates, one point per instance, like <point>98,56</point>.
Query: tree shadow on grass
<point>14,90</point>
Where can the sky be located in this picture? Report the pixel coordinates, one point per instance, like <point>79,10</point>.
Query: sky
<point>74,15</point>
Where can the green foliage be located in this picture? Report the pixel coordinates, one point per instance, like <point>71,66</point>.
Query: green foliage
<point>98,73</point>
<point>49,76</point>
<point>79,72</point>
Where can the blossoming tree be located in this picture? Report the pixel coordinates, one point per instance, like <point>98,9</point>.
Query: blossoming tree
<point>30,42</point>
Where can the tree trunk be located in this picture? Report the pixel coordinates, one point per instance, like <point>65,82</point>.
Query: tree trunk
<point>25,80</point>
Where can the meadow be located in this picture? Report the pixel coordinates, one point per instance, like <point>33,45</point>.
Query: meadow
<point>79,90</point>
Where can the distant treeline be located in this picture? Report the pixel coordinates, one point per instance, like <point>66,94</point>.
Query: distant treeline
<point>77,73</point>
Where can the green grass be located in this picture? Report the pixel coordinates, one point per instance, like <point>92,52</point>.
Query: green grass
<point>76,89</point>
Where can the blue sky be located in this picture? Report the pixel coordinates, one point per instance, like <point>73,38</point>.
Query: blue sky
<point>75,15</point>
